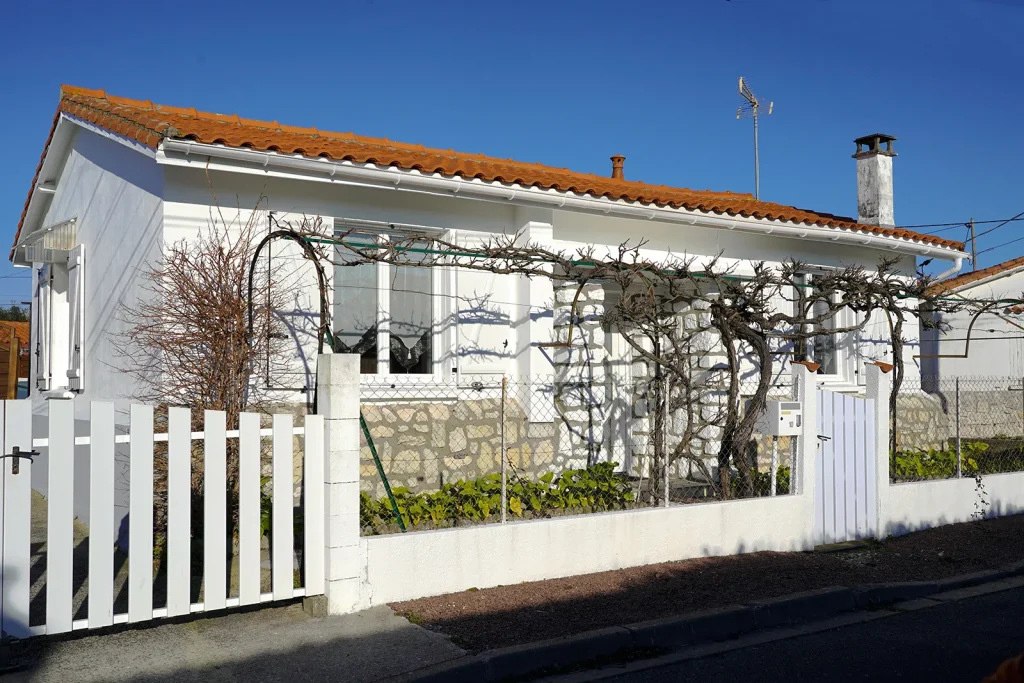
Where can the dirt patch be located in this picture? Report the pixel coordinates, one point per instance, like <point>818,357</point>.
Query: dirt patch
<point>511,615</point>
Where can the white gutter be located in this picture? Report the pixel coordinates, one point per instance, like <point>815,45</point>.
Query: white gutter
<point>370,175</point>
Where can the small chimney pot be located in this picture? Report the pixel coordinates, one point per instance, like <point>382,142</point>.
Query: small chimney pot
<point>617,161</point>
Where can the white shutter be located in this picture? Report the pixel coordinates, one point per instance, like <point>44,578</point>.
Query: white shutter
<point>42,328</point>
<point>483,319</point>
<point>76,312</point>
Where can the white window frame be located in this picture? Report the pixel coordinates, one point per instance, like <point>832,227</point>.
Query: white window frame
<point>844,343</point>
<point>442,335</point>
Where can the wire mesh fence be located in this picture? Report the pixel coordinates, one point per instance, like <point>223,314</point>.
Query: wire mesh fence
<point>437,454</point>
<point>958,427</point>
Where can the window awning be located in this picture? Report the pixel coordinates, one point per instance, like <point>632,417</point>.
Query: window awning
<point>52,244</point>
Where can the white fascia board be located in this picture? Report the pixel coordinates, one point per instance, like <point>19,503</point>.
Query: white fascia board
<point>131,144</point>
<point>271,164</point>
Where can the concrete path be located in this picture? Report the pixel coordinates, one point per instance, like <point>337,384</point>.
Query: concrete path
<point>271,644</point>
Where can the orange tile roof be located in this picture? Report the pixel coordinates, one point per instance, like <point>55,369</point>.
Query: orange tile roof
<point>975,276</point>
<point>150,123</point>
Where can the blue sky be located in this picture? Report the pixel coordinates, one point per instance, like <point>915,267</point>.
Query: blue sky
<point>571,83</point>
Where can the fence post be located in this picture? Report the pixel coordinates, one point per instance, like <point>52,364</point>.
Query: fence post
<point>959,461</point>
<point>665,444</point>
<point>802,476</point>
<point>879,386</point>
<point>337,377</point>
<point>504,454</point>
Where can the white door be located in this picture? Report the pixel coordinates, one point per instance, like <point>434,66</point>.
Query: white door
<point>846,496</point>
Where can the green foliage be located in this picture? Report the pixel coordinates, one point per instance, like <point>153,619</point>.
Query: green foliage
<point>13,313</point>
<point>592,489</point>
<point>918,464</point>
<point>267,513</point>
<point>763,482</point>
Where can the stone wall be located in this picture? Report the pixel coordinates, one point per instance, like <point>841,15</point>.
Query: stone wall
<point>423,445</point>
<point>928,420</point>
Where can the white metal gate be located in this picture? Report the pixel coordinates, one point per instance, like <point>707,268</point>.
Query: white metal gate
<point>846,494</point>
<point>231,567</point>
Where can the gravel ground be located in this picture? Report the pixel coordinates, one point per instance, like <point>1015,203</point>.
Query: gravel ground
<point>511,615</point>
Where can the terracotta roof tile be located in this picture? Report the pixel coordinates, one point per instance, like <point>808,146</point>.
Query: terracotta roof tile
<point>975,276</point>
<point>150,123</point>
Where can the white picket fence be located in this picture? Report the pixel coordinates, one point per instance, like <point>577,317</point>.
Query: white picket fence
<point>60,442</point>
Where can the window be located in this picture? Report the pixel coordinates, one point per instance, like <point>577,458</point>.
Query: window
<point>385,313</point>
<point>824,346</point>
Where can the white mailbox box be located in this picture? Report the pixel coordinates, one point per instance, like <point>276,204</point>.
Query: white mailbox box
<point>783,418</point>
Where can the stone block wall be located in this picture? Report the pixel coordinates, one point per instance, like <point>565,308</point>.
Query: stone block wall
<point>425,444</point>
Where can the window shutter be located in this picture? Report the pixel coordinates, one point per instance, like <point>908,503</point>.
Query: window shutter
<point>42,328</point>
<point>76,308</point>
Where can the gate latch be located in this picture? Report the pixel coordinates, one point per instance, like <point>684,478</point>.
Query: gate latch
<point>17,455</point>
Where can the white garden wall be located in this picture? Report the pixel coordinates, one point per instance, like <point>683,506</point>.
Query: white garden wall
<point>922,505</point>
<point>420,564</point>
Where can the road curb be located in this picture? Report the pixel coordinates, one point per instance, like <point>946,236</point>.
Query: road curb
<point>672,633</point>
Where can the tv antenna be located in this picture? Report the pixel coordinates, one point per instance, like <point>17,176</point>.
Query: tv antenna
<point>752,108</point>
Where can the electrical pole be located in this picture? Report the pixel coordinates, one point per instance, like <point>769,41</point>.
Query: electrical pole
<point>974,249</point>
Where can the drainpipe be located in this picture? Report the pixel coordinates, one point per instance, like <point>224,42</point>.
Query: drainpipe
<point>958,263</point>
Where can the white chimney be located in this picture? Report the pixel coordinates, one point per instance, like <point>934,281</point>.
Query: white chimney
<point>874,180</point>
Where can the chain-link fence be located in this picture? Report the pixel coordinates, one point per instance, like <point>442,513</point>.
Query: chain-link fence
<point>438,454</point>
<point>958,427</point>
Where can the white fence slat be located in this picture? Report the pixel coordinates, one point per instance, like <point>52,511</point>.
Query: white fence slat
<point>839,467</point>
<point>249,509</point>
<point>101,515</point>
<point>215,510</point>
<point>860,500</point>
<point>140,515</point>
<point>313,505</point>
<point>60,537</point>
<point>850,467</point>
<point>828,466</point>
<point>871,469</point>
<point>179,511</point>
<point>17,529</point>
<point>4,466</point>
<point>819,493</point>
<point>282,541</point>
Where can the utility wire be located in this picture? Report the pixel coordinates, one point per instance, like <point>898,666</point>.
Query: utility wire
<point>1015,218</point>
<point>998,246</point>
<point>1018,217</point>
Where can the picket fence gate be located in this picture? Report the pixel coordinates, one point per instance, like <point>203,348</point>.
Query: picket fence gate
<point>846,491</point>
<point>60,442</point>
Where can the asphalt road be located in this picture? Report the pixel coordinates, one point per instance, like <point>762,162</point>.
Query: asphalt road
<point>959,641</point>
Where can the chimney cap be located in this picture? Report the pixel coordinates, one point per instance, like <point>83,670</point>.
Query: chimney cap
<point>874,144</point>
<point>617,161</point>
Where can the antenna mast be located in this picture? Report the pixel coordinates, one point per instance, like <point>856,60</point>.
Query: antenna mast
<point>752,108</point>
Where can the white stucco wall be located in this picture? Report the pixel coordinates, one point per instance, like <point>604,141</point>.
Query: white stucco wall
<point>420,564</point>
<point>494,337</point>
<point>997,343</point>
<point>116,195</point>
<point>922,505</point>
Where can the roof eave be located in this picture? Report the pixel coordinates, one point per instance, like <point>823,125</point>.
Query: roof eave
<point>187,153</point>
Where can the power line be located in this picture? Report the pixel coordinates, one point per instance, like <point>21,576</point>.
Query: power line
<point>998,246</point>
<point>1017,217</point>
<point>960,224</point>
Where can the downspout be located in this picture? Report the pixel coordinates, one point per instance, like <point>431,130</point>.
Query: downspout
<point>958,263</point>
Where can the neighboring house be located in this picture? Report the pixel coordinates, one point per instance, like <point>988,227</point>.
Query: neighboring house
<point>987,345</point>
<point>119,178</point>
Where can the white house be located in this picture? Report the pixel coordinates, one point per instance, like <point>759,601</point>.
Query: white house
<point>989,344</point>
<point>120,178</point>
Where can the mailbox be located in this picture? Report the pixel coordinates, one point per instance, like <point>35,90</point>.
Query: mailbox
<point>783,418</point>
